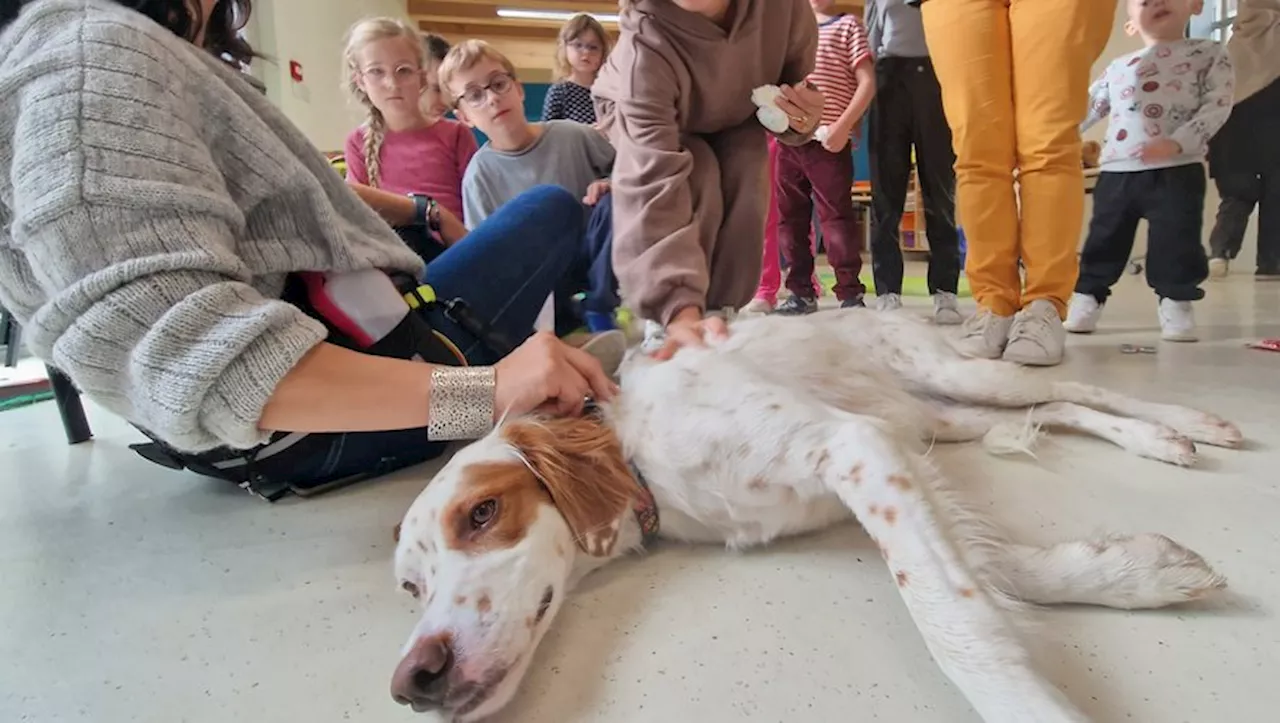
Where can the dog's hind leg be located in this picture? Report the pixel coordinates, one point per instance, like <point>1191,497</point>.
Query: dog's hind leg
<point>891,492</point>
<point>1129,572</point>
<point>954,423</point>
<point>1001,384</point>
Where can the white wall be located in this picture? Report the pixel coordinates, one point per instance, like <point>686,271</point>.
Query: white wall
<point>310,32</point>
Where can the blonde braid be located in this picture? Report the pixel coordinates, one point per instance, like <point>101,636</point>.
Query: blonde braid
<point>374,133</point>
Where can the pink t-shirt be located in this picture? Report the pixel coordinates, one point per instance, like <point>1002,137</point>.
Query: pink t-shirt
<point>429,161</point>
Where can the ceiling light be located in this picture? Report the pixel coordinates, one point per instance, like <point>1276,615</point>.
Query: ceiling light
<point>552,15</point>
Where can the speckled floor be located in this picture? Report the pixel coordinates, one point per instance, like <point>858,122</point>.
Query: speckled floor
<point>131,593</point>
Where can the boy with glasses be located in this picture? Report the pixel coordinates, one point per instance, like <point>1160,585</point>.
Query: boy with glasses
<point>482,88</point>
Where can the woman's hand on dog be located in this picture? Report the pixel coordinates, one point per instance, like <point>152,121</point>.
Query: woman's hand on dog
<point>547,374</point>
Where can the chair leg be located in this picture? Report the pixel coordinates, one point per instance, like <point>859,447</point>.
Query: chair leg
<point>74,422</point>
<point>11,335</point>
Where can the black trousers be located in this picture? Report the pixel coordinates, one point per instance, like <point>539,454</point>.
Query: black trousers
<point>908,112</point>
<point>1172,202</point>
<point>1240,193</point>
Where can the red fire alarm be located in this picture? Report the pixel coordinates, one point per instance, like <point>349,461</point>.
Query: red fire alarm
<point>295,71</point>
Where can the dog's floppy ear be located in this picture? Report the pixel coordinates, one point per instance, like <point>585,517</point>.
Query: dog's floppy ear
<point>581,464</point>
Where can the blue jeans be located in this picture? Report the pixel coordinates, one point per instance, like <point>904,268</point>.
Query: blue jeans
<point>507,267</point>
<point>504,270</point>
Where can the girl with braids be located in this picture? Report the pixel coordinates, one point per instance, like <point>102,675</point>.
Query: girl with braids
<point>404,148</point>
<point>171,218</point>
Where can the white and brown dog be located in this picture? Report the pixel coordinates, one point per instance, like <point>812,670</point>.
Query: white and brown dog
<point>789,426</point>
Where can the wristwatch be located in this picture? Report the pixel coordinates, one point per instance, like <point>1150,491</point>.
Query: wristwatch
<point>426,212</point>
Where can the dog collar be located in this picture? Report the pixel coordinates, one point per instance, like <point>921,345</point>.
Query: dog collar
<point>644,506</point>
<point>645,509</point>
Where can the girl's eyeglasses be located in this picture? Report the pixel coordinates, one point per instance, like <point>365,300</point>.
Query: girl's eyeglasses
<point>586,48</point>
<point>401,74</point>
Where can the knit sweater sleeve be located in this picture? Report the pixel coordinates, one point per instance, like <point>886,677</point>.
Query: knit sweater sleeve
<point>128,223</point>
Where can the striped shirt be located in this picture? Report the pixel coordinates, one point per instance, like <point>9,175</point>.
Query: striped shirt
<point>842,44</point>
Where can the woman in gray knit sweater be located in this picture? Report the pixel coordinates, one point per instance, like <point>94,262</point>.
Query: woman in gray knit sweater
<point>152,206</point>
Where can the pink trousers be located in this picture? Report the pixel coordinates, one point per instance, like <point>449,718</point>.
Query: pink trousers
<point>771,270</point>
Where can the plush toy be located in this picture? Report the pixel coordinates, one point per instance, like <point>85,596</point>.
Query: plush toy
<point>1090,153</point>
<point>767,111</point>
<point>773,118</point>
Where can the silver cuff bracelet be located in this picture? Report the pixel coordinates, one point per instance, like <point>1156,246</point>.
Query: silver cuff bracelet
<point>461,406</point>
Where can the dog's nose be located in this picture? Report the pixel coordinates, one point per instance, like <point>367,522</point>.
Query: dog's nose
<point>419,678</point>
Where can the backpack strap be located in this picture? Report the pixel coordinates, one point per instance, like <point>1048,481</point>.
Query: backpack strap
<point>367,311</point>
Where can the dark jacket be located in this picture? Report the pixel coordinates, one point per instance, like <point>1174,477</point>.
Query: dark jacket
<point>1250,140</point>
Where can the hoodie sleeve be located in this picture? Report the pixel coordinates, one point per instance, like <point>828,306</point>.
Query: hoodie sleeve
<point>657,256</point>
<point>802,47</point>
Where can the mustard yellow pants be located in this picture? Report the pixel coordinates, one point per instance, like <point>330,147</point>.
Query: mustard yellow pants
<point>1015,85</point>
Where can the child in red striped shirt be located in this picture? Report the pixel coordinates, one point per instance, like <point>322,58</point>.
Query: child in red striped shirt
<point>821,171</point>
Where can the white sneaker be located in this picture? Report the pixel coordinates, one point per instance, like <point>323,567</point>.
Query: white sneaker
<point>757,307</point>
<point>1218,268</point>
<point>1037,338</point>
<point>985,335</point>
<point>655,335</point>
<point>888,302</point>
<point>1177,321</point>
<point>946,309</point>
<point>1083,314</point>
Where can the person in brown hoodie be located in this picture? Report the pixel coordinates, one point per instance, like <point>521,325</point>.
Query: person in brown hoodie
<point>689,181</point>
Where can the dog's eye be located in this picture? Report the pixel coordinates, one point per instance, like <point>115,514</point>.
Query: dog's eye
<point>483,513</point>
<point>410,588</point>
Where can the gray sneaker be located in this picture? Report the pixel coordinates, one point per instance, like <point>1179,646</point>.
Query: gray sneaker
<point>797,306</point>
<point>1037,337</point>
<point>946,309</point>
<point>888,302</point>
<point>984,335</point>
<point>609,348</point>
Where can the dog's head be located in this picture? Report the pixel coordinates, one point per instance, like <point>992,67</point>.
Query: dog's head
<point>489,548</point>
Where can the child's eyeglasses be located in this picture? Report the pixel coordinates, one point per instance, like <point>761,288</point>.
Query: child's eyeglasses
<point>586,48</point>
<point>475,95</point>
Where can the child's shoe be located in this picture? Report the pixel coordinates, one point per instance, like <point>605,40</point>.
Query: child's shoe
<point>609,348</point>
<point>946,309</point>
<point>1177,321</point>
<point>1083,314</point>
<point>797,306</point>
<point>1218,268</point>
<point>758,306</point>
<point>888,302</point>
